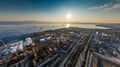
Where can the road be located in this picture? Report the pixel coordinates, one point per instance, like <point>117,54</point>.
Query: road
<point>82,55</point>
<point>74,49</point>
<point>60,59</point>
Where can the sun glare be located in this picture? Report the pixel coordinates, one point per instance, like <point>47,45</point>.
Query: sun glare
<point>68,16</point>
<point>67,25</point>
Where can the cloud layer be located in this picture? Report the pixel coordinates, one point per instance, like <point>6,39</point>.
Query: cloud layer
<point>115,4</point>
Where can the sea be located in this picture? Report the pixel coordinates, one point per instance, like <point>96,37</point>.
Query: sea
<point>14,29</point>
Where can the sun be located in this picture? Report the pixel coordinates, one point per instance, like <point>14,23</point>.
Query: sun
<point>68,15</point>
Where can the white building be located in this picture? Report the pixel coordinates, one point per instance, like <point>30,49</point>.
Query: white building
<point>28,41</point>
<point>42,40</point>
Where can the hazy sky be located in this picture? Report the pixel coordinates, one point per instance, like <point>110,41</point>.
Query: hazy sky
<point>56,10</point>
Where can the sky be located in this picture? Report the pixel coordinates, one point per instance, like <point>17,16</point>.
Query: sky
<point>56,10</point>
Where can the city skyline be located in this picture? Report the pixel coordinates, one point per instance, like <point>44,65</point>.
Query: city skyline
<point>56,10</point>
